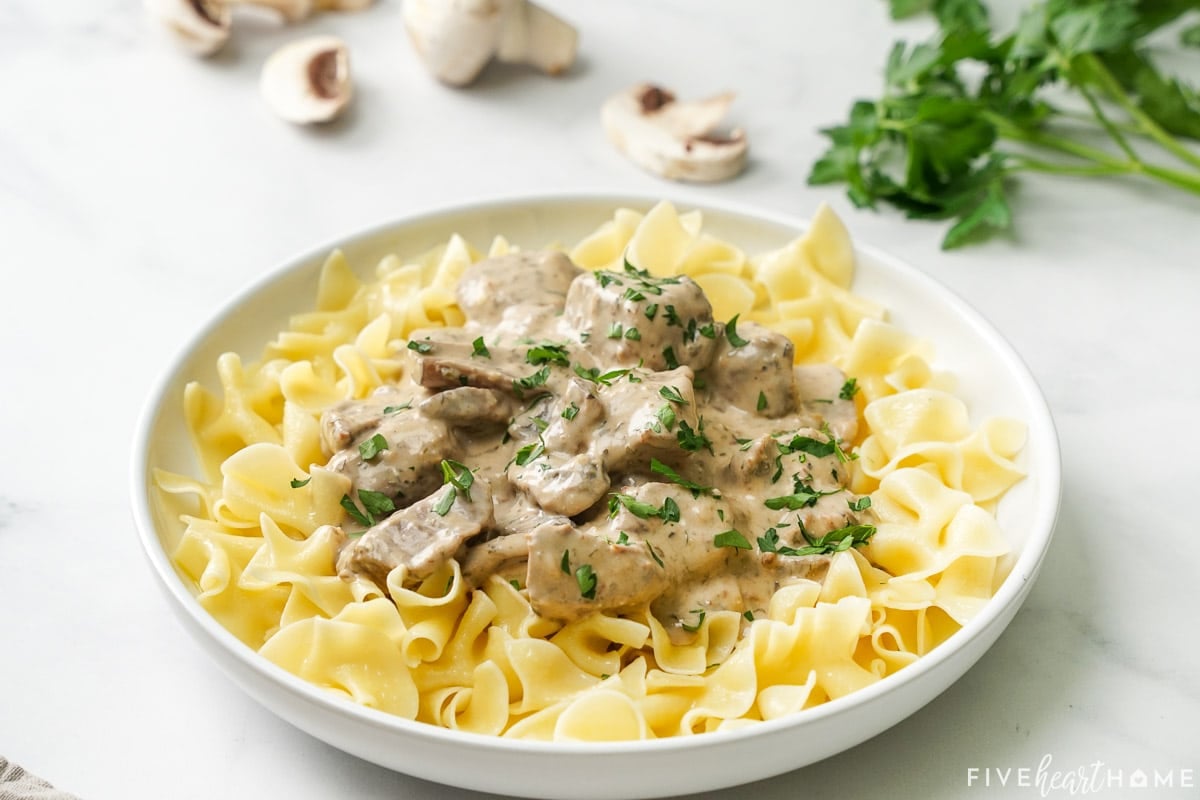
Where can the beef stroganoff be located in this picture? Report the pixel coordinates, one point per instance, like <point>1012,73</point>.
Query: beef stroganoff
<point>641,487</point>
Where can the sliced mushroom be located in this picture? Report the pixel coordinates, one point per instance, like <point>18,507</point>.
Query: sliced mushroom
<point>200,26</point>
<point>672,138</point>
<point>457,38</point>
<point>308,80</point>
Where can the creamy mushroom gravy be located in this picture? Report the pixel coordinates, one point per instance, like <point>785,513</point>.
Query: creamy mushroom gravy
<point>601,441</point>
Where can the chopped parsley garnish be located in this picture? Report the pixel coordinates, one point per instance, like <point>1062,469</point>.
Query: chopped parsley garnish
<point>371,448</point>
<point>355,513</point>
<point>516,584</point>
<point>672,316</point>
<point>708,331</point>
<point>565,563</point>
<point>632,505</point>
<point>653,554</point>
<point>669,357</point>
<point>529,452</point>
<point>861,504</point>
<point>478,348</point>
<point>650,311</point>
<point>807,444</point>
<point>693,440</point>
<point>397,409</point>
<point>833,542</point>
<point>660,468</point>
<point>746,444</point>
<point>731,538</point>
<point>594,374</point>
<point>570,412</point>
<point>672,394</point>
<point>762,401</point>
<point>634,295</point>
<point>633,334</point>
<point>731,333</point>
<point>669,512</point>
<point>749,615</point>
<point>531,381</point>
<point>849,389</point>
<point>615,331</point>
<point>420,347</point>
<point>297,483</point>
<point>689,335</point>
<point>375,505</point>
<point>586,578</point>
<point>548,354</point>
<point>666,415</point>
<point>443,506</point>
<point>699,621</point>
<point>803,496</point>
<point>623,538</point>
<point>460,476</point>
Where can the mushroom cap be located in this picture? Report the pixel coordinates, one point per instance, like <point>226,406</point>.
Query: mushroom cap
<point>672,138</point>
<point>308,80</point>
<point>200,26</point>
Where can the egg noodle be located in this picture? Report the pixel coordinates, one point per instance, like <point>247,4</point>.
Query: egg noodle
<point>482,660</point>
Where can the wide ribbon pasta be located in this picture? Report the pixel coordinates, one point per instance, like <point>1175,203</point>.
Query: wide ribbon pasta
<point>257,550</point>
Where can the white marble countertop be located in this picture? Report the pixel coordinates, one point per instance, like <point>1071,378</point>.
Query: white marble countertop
<point>139,188</point>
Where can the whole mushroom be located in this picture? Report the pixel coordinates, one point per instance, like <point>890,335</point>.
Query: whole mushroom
<point>457,38</point>
<point>672,138</point>
<point>308,80</point>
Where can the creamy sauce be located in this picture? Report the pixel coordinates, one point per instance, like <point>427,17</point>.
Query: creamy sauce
<point>625,450</point>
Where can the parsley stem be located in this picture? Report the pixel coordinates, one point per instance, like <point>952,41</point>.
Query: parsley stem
<point>1115,165</point>
<point>1024,163</point>
<point>1112,87</point>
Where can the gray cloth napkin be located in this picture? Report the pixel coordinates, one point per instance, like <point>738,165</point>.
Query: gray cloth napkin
<point>17,784</point>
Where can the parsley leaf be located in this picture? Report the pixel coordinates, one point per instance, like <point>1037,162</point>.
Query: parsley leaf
<point>570,412</point>
<point>731,333</point>
<point>377,504</point>
<point>731,538</point>
<point>693,440</point>
<point>936,143</point>
<point>699,621</point>
<point>357,515</point>
<point>397,409</point>
<point>660,468</point>
<point>420,347</point>
<point>586,578</point>
<point>672,394</point>
<point>849,389</point>
<point>478,348</point>
<point>861,504</point>
<point>459,475</point>
<point>555,354</point>
<point>443,506</point>
<point>297,483</point>
<point>371,448</point>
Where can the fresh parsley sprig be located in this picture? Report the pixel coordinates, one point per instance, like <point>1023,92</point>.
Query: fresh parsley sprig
<point>943,144</point>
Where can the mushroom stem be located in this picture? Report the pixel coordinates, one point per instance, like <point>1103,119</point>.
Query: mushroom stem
<point>457,38</point>
<point>532,35</point>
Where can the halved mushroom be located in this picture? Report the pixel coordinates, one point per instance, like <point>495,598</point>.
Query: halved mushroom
<point>201,26</point>
<point>457,38</point>
<point>672,138</point>
<point>308,80</point>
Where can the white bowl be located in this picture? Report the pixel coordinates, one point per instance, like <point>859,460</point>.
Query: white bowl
<point>993,380</point>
